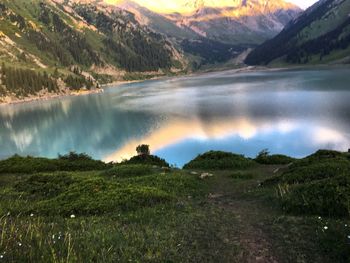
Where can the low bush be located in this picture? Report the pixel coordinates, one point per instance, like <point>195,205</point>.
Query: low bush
<point>329,197</point>
<point>64,194</point>
<point>70,162</point>
<point>97,196</point>
<point>146,160</point>
<point>274,159</point>
<point>317,170</point>
<point>321,156</point>
<point>92,194</point>
<point>45,186</point>
<point>220,161</point>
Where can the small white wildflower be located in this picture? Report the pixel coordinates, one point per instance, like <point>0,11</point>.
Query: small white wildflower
<point>319,218</point>
<point>325,228</point>
<point>346,225</point>
<point>53,236</point>
<point>72,216</point>
<point>348,236</point>
<point>31,214</point>
<point>19,244</point>
<point>1,256</point>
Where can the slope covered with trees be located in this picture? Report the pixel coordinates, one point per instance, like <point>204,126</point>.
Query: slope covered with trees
<point>320,35</point>
<point>53,36</point>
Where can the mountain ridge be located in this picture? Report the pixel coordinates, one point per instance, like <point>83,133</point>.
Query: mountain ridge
<point>78,44</point>
<point>229,21</point>
<point>319,35</point>
<point>76,47</point>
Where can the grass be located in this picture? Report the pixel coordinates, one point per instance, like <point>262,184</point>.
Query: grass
<point>219,160</point>
<point>274,159</point>
<point>125,171</point>
<point>242,175</point>
<point>318,184</point>
<point>148,213</point>
<point>70,162</point>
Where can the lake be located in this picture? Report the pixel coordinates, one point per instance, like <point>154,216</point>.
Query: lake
<point>293,112</point>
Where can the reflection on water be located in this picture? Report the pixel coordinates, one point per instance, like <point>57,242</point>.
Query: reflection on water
<point>290,112</point>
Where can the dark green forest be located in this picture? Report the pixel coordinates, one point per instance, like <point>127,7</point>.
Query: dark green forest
<point>130,48</point>
<point>22,82</point>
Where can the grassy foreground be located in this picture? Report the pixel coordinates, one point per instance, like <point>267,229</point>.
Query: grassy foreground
<point>221,208</point>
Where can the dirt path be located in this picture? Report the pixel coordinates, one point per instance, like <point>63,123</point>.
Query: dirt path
<point>255,244</point>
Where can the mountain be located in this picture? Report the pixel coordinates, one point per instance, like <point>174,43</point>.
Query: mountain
<point>58,46</point>
<point>320,35</point>
<point>238,22</point>
<point>77,44</point>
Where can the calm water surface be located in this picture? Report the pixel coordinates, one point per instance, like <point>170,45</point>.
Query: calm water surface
<point>293,112</point>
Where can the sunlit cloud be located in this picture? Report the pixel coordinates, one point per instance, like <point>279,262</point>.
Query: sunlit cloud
<point>23,139</point>
<point>180,130</point>
<point>329,137</point>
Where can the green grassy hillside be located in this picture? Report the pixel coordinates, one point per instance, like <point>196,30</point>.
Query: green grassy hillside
<point>75,209</point>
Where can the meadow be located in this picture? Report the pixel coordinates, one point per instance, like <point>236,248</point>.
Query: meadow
<point>221,207</point>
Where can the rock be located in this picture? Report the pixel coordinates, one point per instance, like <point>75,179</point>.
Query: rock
<point>205,175</point>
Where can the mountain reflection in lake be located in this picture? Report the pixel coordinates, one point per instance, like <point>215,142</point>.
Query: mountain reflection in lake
<point>293,112</point>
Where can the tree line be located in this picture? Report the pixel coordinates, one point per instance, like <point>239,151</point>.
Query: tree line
<point>23,82</point>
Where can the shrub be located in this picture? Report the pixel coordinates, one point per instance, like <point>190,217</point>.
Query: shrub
<point>64,194</point>
<point>97,196</point>
<point>321,165</point>
<point>274,159</point>
<point>146,160</point>
<point>321,156</point>
<point>330,197</point>
<point>70,162</point>
<point>143,149</point>
<point>45,186</point>
<point>315,171</point>
<point>220,160</point>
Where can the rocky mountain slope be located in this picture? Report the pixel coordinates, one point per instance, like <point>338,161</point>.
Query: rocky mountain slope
<point>320,35</point>
<point>78,43</point>
<point>228,21</point>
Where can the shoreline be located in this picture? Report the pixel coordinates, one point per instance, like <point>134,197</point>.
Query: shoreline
<point>50,97</point>
<point>123,82</point>
<point>73,93</point>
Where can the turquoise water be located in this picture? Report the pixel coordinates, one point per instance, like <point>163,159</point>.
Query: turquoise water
<point>293,112</point>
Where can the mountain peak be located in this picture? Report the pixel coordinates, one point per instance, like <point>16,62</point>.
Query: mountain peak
<point>190,6</point>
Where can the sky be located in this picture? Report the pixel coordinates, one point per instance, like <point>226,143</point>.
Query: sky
<point>303,3</point>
